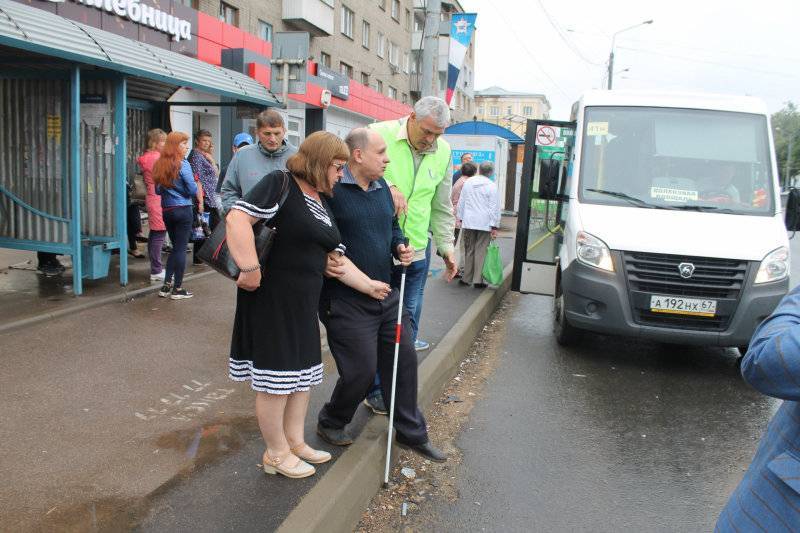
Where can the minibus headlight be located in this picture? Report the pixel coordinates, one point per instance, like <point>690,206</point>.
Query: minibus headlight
<point>593,252</point>
<point>774,267</point>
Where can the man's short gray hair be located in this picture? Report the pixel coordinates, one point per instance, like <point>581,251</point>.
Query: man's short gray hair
<point>486,169</point>
<point>433,106</point>
<point>358,138</point>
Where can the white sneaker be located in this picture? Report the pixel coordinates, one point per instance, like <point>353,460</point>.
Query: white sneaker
<point>158,277</point>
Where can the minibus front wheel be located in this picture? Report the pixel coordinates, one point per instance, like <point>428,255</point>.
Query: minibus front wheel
<point>566,334</point>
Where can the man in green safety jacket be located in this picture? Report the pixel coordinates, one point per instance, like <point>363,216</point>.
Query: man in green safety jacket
<point>418,174</point>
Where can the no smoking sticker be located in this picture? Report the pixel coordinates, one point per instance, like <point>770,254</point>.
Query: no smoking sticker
<point>546,136</point>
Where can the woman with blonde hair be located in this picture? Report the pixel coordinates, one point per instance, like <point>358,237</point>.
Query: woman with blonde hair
<point>176,185</point>
<point>156,138</point>
<point>275,341</point>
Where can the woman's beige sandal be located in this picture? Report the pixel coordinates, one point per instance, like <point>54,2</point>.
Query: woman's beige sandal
<point>273,465</point>
<point>310,455</point>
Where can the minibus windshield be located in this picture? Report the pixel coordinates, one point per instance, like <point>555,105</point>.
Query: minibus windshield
<point>682,159</point>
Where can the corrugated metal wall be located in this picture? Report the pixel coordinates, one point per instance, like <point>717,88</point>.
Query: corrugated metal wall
<point>97,158</point>
<point>34,126</point>
<point>139,123</point>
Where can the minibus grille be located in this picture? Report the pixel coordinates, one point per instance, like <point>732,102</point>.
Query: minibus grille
<point>657,274</point>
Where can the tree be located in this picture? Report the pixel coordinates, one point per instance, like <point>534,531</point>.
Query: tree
<point>786,132</point>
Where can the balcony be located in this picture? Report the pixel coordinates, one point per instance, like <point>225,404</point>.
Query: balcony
<point>313,16</point>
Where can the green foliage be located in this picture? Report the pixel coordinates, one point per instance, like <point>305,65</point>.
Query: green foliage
<point>786,131</point>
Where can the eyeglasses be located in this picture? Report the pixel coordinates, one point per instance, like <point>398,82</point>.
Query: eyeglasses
<point>338,166</point>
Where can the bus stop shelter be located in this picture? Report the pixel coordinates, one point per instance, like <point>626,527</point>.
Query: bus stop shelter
<point>73,99</point>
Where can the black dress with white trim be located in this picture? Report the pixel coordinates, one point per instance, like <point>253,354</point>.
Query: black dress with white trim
<point>275,342</point>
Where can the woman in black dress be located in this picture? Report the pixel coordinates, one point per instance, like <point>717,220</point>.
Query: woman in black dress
<point>275,341</point>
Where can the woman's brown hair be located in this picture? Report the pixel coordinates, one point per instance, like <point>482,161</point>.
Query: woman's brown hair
<point>154,136</point>
<point>167,167</point>
<point>314,156</point>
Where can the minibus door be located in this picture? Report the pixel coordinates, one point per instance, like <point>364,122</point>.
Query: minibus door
<point>541,212</point>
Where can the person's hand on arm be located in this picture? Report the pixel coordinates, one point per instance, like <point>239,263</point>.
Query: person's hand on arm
<point>242,247</point>
<point>494,233</point>
<point>399,199</point>
<point>335,265</point>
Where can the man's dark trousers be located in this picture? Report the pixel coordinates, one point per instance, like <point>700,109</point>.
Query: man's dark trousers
<point>361,335</point>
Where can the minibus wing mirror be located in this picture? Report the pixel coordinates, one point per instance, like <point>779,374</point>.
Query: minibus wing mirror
<point>548,179</point>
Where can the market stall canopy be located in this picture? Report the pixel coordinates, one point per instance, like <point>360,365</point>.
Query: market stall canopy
<point>35,30</point>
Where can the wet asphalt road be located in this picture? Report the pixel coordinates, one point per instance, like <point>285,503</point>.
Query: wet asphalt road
<point>611,434</point>
<point>608,435</point>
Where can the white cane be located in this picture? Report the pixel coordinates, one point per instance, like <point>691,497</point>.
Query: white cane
<point>398,332</point>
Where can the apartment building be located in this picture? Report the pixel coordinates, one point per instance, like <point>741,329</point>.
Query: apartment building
<point>463,103</point>
<point>509,109</point>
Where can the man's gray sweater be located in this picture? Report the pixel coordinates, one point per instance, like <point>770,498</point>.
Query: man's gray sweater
<point>248,166</point>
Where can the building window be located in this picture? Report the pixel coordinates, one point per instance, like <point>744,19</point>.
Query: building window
<point>408,20</point>
<point>392,93</point>
<point>396,10</point>
<point>346,69</point>
<point>347,21</point>
<point>190,3</point>
<point>325,59</point>
<point>382,4</point>
<point>480,111</point>
<point>419,22</point>
<point>364,79</point>
<point>228,14</point>
<point>494,111</point>
<point>265,30</point>
<point>404,98</point>
<point>416,61</point>
<point>365,34</point>
<point>394,54</point>
<point>406,62</point>
<point>381,45</point>
<point>510,110</point>
<point>527,110</point>
<point>379,86</point>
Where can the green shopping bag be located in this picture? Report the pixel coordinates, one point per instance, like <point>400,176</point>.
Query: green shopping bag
<point>493,265</point>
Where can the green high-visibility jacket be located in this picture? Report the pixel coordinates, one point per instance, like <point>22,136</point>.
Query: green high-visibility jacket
<point>427,192</point>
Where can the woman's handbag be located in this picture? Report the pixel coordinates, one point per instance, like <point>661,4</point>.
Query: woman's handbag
<point>492,270</point>
<point>215,251</point>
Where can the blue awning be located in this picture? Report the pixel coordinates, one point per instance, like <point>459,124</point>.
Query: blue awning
<point>39,31</point>
<point>476,127</point>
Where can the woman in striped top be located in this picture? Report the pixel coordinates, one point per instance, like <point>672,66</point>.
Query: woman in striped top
<point>276,342</point>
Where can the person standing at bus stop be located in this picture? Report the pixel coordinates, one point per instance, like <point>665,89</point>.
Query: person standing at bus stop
<point>479,214</point>
<point>418,175</point>
<point>251,163</point>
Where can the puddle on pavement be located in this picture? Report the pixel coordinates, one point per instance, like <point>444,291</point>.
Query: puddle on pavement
<point>200,446</point>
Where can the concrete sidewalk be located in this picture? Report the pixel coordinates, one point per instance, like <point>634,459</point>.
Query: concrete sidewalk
<point>121,416</point>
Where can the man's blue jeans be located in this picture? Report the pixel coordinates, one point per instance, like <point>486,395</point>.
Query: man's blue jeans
<point>416,276</point>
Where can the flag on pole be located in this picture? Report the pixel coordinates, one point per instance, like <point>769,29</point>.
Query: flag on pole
<point>461,27</point>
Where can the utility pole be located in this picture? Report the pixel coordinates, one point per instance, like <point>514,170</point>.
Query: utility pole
<point>787,178</point>
<point>611,55</point>
<point>430,48</point>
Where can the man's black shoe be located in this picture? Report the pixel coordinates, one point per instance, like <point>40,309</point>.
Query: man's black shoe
<point>427,450</point>
<point>337,437</point>
<point>479,285</point>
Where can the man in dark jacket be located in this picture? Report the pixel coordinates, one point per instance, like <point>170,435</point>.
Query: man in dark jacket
<point>361,323</point>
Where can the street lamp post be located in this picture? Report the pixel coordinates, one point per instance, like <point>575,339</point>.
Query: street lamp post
<point>611,55</point>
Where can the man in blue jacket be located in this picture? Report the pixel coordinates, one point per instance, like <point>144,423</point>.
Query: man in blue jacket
<point>768,497</point>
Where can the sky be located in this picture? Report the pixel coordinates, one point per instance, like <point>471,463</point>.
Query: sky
<point>560,48</point>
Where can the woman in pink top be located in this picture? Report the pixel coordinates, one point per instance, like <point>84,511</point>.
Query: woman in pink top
<point>158,231</point>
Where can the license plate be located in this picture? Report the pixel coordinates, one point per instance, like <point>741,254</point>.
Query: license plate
<point>683,306</point>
